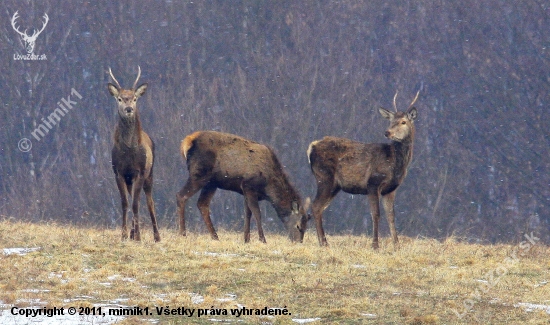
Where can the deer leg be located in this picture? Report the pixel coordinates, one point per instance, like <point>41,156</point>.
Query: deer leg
<point>188,190</point>
<point>247,215</point>
<point>322,200</point>
<point>387,202</point>
<point>251,201</point>
<point>121,184</point>
<point>136,188</point>
<point>204,207</point>
<point>375,213</point>
<point>148,189</point>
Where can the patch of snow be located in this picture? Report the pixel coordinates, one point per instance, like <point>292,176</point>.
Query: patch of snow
<point>223,320</point>
<point>540,284</point>
<point>36,290</point>
<point>532,307</point>
<point>228,297</point>
<point>79,298</point>
<point>118,276</point>
<point>215,254</point>
<point>367,315</point>
<point>358,266</point>
<point>196,298</point>
<point>305,320</point>
<point>117,301</point>
<point>6,317</point>
<point>20,250</point>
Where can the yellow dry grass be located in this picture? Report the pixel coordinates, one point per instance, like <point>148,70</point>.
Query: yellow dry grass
<point>422,281</point>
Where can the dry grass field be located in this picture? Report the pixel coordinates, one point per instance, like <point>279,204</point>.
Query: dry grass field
<point>423,281</point>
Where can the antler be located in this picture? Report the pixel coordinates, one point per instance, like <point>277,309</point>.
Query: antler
<point>139,75</point>
<point>114,79</point>
<point>414,100</point>
<point>36,33</point>
<point>394,97</point>
<point>13,19</point>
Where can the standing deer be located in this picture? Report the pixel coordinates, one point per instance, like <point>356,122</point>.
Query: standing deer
<point>132,156</point>
<point>229,162</point>
<point>374,169</point>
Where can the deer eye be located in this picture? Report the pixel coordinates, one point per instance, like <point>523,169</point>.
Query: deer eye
<point>403,122</point>
<point>119,99</point>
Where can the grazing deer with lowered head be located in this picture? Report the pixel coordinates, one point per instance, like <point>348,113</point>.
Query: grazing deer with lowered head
<point>132,156</point>
<point>374,169</point>
<point>229,162</point>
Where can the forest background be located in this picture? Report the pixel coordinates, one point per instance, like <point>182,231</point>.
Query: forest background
<point>286,73</point>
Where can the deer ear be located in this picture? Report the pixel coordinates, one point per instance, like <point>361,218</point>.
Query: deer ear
<point>113,90</point>
<point>385,113</point>
<point>411,113</point>
<point>141,90</point>
<point>295,207</point>
<point>306,204</point>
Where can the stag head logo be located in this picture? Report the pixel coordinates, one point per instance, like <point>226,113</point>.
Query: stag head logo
<point>29,40</point>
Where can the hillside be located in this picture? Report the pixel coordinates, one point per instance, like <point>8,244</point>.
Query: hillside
<point>421,282</point>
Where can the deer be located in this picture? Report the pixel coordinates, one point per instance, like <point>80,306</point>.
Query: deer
<point>29,41</point>
<point>132,156</point>
<point>217,160</point>
<point>372,169</point>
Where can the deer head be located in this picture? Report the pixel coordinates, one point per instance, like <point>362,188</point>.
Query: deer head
<point>126,98</point>
<point>401,123</point>
<point>29,41</point>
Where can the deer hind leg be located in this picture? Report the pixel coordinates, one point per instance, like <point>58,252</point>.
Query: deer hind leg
<point>387,202</point>
<point>247,215</point>
<point>324,196</point>
<point>375,213</point>
<point>122,189</point>
<point>189,189</point>
<point>136,189</point>
<point>148,189</point>
<point>204,207</point>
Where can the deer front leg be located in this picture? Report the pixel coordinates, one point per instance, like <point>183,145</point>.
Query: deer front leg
<point>387,202</point>
<point>251,201</point>
<point>135,233</point>
<point>375,213</point>
<point>124,199</point>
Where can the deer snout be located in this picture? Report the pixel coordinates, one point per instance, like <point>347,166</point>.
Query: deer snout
<point>129,109</point>
<point>387,134</point>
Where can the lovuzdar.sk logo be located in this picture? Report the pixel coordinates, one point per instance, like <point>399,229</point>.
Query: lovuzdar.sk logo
<point>29,41</point>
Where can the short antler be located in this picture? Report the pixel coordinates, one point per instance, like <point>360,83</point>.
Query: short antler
<point>114,79</point>
<point>415,98</point>
<point>394,97</point>
<point>139,75</point>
